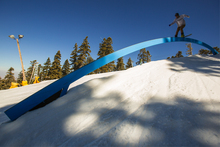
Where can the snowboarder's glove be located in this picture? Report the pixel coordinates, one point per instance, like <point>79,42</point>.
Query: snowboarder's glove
<point>169,25</point>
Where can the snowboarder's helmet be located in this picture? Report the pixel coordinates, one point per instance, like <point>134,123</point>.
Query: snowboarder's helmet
<point>177,14</point>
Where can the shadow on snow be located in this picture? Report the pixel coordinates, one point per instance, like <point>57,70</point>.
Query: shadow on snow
<point>79,120</point>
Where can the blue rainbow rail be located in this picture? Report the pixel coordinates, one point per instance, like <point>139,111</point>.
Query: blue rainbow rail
<point>60,87</point>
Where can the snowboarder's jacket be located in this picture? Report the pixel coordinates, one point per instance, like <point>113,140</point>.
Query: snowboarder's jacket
<point>180,21</point>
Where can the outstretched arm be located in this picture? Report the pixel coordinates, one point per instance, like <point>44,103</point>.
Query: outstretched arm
<point>184,15</point>
<point>172,23</point>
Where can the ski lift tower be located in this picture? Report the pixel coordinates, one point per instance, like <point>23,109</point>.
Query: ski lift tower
<point>24,82</point>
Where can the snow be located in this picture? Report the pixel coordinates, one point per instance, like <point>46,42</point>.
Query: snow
<point>172,102</point>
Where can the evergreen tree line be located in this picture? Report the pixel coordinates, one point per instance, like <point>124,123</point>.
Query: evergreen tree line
<point>189,51</point>
<point>79,57</point>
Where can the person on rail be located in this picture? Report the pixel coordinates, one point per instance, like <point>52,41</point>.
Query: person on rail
<point>180,23</point>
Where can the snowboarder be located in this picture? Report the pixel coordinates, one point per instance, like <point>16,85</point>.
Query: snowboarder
<point>180,23</point>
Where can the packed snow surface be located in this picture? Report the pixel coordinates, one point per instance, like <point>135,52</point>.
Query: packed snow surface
<point>172,102</point>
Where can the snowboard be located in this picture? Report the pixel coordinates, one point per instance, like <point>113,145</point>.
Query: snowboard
<point>188,35</point>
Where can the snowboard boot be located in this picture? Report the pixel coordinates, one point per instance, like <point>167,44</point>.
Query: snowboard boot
<point>182,35</point>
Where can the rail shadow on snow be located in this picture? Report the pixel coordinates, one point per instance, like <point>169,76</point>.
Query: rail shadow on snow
<point>199,65</point>
<point>84,118</point>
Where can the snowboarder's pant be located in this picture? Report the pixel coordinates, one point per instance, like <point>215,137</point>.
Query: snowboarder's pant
<point>180,29</point>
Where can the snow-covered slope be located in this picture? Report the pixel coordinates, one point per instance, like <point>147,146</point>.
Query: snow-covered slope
<point>161,103</point>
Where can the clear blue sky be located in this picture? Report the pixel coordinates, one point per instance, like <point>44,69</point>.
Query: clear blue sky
<point>52,25</point>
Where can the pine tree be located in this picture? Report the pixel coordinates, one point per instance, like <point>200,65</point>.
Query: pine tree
<point>120,64</point>
<point>74,57</point>
<point>84,51</point>
<point>102,49</point>
<point>179,54</point>
<point>20,78</point>
<point>9,78</point>
<point>46,70</point>
<point>148,56</point>
<point>217,49</point>
<point>56,70</point>
<point>29,73</point>
<point>189,51</point>
<point>206,52</point>
<point>143,56</point>
<point>106,48</point>
<point>40,72</point>
<point>80,62</point>
<point>111,66</point>
<point>129,63</point>
<point>102,52</point>
<point>1,84</point>
<point>89,60</point>
<point>66,68</point>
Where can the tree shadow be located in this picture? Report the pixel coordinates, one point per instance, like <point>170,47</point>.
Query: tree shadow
<point>84,118</point>
<point>181,122</point>
<point>197,64</point>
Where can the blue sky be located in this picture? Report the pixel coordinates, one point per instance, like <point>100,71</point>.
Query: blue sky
<point>52,25</point>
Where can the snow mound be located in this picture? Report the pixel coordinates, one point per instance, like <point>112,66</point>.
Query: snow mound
<point>172,102</point>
